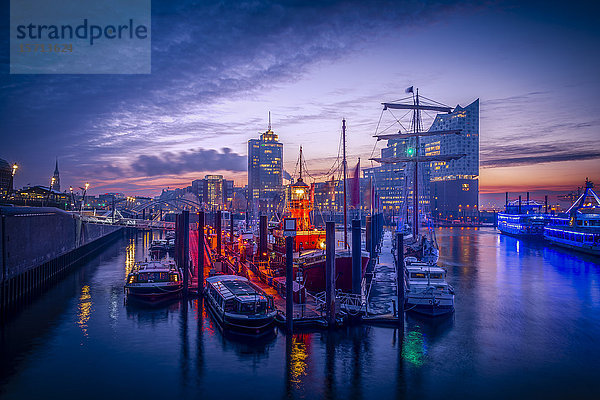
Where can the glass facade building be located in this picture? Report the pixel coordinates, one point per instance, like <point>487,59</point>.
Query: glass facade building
<point>265,173</point>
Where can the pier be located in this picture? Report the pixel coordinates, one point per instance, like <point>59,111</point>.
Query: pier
<point>39,245</point>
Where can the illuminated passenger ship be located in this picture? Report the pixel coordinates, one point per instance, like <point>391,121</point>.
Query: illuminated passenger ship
<point>583,230</point>
<point>526,220</point>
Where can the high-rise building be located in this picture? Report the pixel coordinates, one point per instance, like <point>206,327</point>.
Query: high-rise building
<point>265,172</point>
<point>454,185</point>
<point>214,191</point>
<point>6,181</point>
<point>56,179</point>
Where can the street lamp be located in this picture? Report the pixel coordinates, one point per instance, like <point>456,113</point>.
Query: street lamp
<point>87,185</point>
<point>12,179</point>
<point>72,198</point>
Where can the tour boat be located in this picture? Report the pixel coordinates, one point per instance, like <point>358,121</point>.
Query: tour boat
<point>526,219</point>
<point>154,281</point>
<point>240,305</point>
<point>425,288</point>
<point>159,245</point>
<point>583,230</point>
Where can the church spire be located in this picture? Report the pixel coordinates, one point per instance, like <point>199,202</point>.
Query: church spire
<point>56,178</point>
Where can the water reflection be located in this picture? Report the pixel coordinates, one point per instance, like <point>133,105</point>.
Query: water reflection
<point>525,323</point>
<point>84,309</point>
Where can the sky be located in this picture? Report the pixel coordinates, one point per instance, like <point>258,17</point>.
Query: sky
<point>218,68</point>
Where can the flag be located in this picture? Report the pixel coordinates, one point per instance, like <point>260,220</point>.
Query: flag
<point>355,187</point>
<point>410,89</point>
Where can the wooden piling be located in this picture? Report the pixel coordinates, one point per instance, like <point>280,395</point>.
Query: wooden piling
<point>289,283</point>
<point>400,275</point>
<point>262,239</point>
<point>219,231</point>
<point>201,252</point>
<point>356,258</point>
<point>185,237</point>
<point>330,272</point>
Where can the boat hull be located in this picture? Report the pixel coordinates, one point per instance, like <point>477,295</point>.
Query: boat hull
<point>573,245</point>
<point>250,326</point>
<point>314,274</point>
<point>430,307</point>
<point>154,293</point>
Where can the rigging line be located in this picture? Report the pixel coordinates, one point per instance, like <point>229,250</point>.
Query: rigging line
<point>397,120</point>
<point>434,101</point>
<point>376,130</point>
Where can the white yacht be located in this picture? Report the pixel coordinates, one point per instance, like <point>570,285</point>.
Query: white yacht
<point>425,288</point>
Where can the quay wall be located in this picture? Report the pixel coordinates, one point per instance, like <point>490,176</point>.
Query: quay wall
<point>39,244</point>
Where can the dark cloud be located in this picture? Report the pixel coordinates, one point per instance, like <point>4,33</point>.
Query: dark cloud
<point>174,163</point>
<point>202,52</point>
<point>197,160</point>
<point>536,153</point>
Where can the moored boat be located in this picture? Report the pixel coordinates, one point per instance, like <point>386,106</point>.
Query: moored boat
<point>526,219</point>
<point>239,305</point>
<point>583,230</point>
<point>426,290</point>
<point>154,281</point>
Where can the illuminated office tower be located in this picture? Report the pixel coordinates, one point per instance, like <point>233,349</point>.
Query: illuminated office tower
<point>265,172</point>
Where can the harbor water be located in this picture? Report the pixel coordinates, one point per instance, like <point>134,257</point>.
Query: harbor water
<point>526,325</point>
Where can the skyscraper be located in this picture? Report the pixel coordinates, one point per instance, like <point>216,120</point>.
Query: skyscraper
<point>56,178</point>
<point>265,171</point>
<point>454,185</point>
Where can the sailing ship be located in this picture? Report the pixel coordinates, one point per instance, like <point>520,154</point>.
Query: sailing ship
<point>309,243</point>
<point>583,230</point>
<point>424,248</point>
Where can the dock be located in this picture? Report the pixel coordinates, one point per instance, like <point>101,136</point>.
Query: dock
<point>376,305</point>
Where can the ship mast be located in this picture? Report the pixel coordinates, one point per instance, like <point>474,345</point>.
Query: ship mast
<point>344,167</point>
<point>415,158</point>
<point>300,179</point>
<point>416,118</point>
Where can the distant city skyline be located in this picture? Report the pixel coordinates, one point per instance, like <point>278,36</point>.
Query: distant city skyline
<point>533,67</point>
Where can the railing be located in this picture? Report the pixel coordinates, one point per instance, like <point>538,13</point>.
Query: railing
<point>128,222</point>
<point>350,301</point>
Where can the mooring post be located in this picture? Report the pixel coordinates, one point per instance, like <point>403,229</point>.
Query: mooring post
<point>400,275</point>
<point>368,241</point>
<point>177,240</point>
<point>262,239</point>
<point>356,258</point>
<point>506,201</point>
<point>185,237</point>
<point>546,204</point>
<point>519,204</point>
<point>201,252</point>
<point>330,272</point>
<point>219,231</point>
<point>289,283</point>
<point>231,229</point>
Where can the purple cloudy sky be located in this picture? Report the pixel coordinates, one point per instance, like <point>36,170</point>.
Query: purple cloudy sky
<point>218,68</point>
